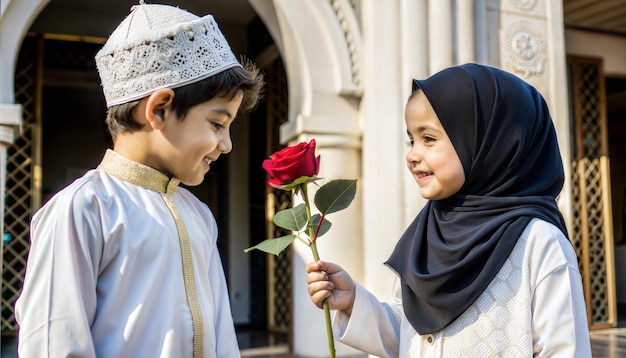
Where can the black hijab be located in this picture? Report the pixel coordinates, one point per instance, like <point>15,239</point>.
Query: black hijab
<point>503,134</point>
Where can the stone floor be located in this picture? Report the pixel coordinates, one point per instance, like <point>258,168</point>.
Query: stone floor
<point>256,344</point>
<point>8,347</point>
<point>260,344</point>
<point>608,343</point>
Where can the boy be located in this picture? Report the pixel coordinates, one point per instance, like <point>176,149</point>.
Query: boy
<point>123,263</point>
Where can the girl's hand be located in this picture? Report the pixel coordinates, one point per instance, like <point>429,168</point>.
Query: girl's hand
<point>327,280</point>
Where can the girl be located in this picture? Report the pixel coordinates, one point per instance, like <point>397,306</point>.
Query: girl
<point>486,269</point>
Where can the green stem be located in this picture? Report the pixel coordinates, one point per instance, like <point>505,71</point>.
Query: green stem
<point>316,257</point>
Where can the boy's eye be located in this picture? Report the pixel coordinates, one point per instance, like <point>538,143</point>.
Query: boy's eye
<point>428,139</point>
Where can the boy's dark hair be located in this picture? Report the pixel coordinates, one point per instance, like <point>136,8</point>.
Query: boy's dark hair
<point>249,80</point>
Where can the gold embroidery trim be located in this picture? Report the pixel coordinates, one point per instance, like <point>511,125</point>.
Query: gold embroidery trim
<point>146,177</point>
<point>138,174</point>
<point>189,278</point>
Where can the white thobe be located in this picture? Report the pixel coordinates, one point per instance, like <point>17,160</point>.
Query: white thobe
<point>105,275</point>
<point>534,307</point>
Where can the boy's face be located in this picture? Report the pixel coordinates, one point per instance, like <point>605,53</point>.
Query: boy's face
<point>432,159</point>
<point>196,141</point>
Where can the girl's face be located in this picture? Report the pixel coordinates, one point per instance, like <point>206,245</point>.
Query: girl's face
<point>432,158</point>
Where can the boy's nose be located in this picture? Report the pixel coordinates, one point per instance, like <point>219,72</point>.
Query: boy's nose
<point>225,145</point>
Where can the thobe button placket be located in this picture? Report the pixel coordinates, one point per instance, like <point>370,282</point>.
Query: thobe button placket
<point>430,339</point>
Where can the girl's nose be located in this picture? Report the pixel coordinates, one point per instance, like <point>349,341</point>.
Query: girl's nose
<point>413,156</point>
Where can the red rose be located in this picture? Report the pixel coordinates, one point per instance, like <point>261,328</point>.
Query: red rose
<point>291,163</point>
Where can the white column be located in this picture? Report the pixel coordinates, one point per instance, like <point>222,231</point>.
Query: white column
<point>414,57</point>
<point>414,41</point>
<point>441,41</point>
<point>319,68</point>
<point>558,100</point>
<point>384,137</point>
<point>465,32</point>
<point>340,158</point>
<point>480,26</point>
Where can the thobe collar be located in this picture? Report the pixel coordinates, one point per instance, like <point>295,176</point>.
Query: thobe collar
<point>135,173</point>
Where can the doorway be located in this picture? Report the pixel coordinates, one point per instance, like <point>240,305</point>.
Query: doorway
<point>616,119</point>
<point>592,229</point>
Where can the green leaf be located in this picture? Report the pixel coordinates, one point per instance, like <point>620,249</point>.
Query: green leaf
<point>325,225</point>
<point>291,219</point>
<point>273,246</point>
<point>297,182</point>
<point>335,195</point>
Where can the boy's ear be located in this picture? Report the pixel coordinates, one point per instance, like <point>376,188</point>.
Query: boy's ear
<point>158,107</point>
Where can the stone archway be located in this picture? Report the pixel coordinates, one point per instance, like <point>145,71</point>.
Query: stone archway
<point>320,43</point>
<point>16,17</point>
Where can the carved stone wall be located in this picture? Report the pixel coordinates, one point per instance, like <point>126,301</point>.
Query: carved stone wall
<point>524,43</point>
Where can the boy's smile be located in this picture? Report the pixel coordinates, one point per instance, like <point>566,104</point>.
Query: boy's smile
<point>189,145</point>
<point>208,163</point>
<point>432,159</point>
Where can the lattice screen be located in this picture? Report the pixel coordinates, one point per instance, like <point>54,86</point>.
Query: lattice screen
<point>593,230</point>
<point>20,178</point>
<point>23,186</point>
<point>279,267</point>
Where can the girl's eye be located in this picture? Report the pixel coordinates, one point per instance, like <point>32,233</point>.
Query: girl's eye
<point>428,139</point>
<point>410,142</point>
<point>218,125</point>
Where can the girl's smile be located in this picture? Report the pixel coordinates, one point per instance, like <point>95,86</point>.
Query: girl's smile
<point>420,174</point>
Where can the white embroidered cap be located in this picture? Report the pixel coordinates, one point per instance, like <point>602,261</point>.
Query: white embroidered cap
<point>159,46</point>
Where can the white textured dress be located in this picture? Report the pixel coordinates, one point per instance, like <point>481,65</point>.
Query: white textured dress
<point>534,307</point>
<point>105,273</point>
